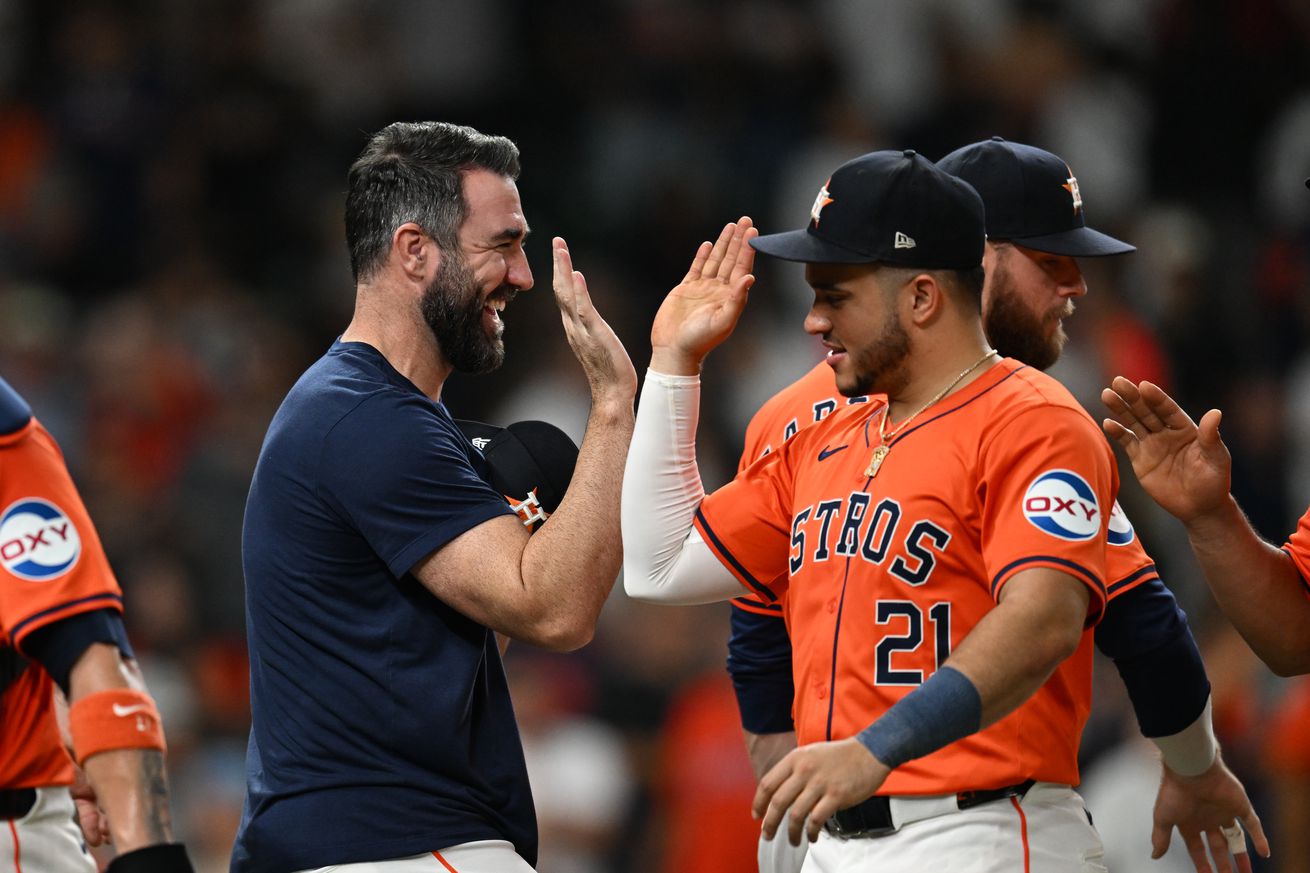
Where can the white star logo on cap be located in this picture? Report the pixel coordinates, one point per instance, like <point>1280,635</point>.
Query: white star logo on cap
<point>819,202</point>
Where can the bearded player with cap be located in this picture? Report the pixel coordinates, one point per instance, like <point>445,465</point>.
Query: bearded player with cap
<point>1036,227</point>
<point>941,551</point>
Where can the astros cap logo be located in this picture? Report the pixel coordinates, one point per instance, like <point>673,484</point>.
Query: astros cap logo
<point>1071,185</point>
<point>820,201</point>
<point>38,541</point>
<point>1061,503</point>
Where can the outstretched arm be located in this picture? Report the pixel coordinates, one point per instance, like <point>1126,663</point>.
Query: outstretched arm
<point>1186,468</point>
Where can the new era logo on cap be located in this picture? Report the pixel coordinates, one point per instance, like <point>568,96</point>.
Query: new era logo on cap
<point>892,207</point>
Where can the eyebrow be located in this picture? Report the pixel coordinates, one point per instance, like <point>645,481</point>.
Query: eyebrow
<point>513,233</point>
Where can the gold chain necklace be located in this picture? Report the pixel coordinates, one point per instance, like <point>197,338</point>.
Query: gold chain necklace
<point>881,450</point>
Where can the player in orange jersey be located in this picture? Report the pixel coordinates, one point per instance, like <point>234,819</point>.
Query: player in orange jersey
<point>1032,281</point>
<point>60,623</point>
<point>941,554</point>
<point>1186,468</point>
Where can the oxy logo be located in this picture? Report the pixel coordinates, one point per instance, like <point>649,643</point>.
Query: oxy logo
<point>38,541</point>
<point>1121,529</point>
<point>1061,503</point>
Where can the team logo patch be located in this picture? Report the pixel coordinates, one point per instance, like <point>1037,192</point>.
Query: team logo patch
<point>1121,529</point>
<point>1061,503</point>
<point>38,540</point>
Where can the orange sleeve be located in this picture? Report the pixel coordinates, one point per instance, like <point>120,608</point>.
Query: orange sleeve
<point>1048,483</point>
<point>52,565</point>
<point>1298,547</point>
<point>1127,564</point>
<point>747,523</point>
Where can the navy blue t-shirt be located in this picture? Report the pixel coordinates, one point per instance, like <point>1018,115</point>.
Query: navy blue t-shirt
<point>381,719</point>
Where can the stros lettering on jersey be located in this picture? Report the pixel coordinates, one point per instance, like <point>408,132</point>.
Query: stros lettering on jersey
<point>814,396</point>
<point>883,577</point>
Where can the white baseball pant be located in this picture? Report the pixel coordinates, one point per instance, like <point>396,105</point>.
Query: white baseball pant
<point>46,839</point>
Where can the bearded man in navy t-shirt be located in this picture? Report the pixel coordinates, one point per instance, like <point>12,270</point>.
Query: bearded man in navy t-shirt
<point>379,563</point>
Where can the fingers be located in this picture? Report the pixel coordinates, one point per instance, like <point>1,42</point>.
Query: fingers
<point>570,285</point>
<point>1161,407</point>
<point>1196,849</point>
<point>1120,434</point>
<point>720,251</point>
<point>1219,849</point>
<point>698,262</point>
<point>1257,832</point>
<point>1209,429</point>
<point>1160,834</point>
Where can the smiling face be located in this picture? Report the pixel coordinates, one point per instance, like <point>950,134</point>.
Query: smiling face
<point>474,283</point>
<point>1026,298</point>
<point>855,314</point>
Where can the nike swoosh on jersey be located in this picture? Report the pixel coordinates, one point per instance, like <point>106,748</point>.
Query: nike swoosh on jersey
<point>826,452</point>
<point>124,711</point>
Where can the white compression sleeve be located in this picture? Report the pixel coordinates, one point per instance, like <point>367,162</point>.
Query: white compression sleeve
<point>1192,750</point>
<point>664,558</point>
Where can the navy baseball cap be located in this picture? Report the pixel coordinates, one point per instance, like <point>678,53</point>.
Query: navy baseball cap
<point>1032,198</point>
<point>531,464</point>
<point>893,207</point>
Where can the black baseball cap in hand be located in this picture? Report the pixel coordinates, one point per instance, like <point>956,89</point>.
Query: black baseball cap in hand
<point>531,464</point>
<point>1032,199</point>
<point>893,207</point>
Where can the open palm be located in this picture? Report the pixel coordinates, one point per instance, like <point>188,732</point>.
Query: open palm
<point>1185,468</point>
<point>703,309</point>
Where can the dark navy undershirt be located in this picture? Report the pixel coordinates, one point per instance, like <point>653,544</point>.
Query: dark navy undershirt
<point>381,719</point>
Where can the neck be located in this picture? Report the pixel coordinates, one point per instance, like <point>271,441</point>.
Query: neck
<point>935,369</point>
<point>392,324</point>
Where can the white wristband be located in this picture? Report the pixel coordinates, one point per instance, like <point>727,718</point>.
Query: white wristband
<point>1191,751</point>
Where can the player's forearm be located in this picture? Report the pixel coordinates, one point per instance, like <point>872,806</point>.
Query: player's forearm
<point>765,750</point>
<point>661,490</point>
<point>1016,647</point>
<point>132,789</point>
<point>570,564</point>
<point>1256,585</point>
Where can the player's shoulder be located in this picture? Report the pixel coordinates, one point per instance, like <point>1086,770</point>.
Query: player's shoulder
<point>14,410</point>
<point>1024,389</point>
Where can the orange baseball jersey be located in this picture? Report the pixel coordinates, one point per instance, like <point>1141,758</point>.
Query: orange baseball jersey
<point>884,576</point>
<point>1298,548</point>
<point>51,567</point>
<point>814,396</point>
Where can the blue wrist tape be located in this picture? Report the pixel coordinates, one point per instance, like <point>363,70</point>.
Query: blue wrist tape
<point>942,710</point>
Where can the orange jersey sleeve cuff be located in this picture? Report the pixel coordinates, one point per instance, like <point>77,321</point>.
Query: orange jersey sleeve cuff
<point>753,585</point>
<point>1083,574</point>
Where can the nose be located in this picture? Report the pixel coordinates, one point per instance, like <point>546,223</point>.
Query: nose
<point>1070,279</point>
<point>816,324</point>
<point>519,274</point>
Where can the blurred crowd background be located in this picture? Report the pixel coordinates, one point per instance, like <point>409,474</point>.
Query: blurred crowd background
<point>172,257</point>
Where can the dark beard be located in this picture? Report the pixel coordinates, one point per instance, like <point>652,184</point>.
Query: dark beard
<point>1013,329</point>
<point>452,308</point>
<point>880,367</point>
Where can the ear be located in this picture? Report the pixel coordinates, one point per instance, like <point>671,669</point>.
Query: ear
<point>925,300</point>
<point>415,253</point>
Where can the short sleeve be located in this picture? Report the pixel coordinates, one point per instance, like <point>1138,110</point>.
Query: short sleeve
<point>399,471</point>
<point>52,565</point>
<point>747,523</point>
<point>1049,483</point>
<point>1298,548</point>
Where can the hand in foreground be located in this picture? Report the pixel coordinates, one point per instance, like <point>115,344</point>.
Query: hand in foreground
<point>812,783</point>
<point>703,309</point>
<point>94,824</point>
<point>1185,468</point>
<point>1199,806</point>
<point>604,359</point>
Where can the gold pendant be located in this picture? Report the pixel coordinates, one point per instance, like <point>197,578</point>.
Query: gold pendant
<point>875,462</point>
